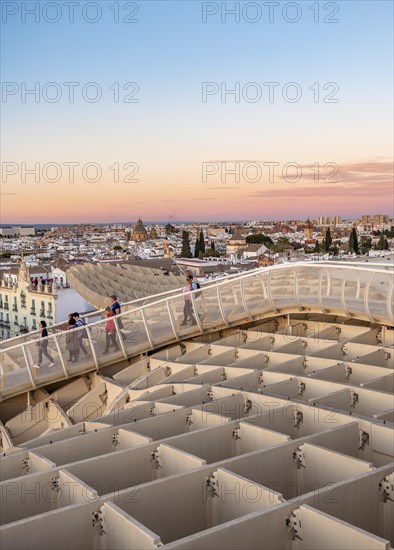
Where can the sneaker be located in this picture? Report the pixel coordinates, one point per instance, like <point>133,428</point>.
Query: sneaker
<point>52,364</point>
<point>36,366</point>
<point>184,323</point>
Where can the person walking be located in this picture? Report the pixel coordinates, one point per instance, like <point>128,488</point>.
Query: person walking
<point>42,344</point>
<point>116,310</point>
<point>72,341</point>
<point>110,335</point>
<point>187,307</point>
<point>81,333</point>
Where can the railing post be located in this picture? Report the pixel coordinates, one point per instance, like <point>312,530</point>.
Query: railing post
<point>366,296</point>
<point>146,329</point>
<point>90,340</point>
<point>244,301</point>
<point>173,325</point>
<point>59,351</point>
<point>28,367</point>
<point>297,301</point>
<point>390,301</point>
<point>120,338</point>
<point>196,315</point>
<point>358,285</point>
<point>221,306</point>
<point>322,306</point>
<point>343,300</point>
<point>271,300</point>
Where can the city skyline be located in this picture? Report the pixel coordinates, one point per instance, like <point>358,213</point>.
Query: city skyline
<point>194,81</point>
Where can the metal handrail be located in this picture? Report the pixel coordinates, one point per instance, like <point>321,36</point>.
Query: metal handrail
<point>218,284</point>
<point>124,305</point>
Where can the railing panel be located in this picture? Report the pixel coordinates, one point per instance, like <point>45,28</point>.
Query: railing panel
<point>255,290</point>
<point>158,323</point>
<point>208,308</point>
<point>308,285</point>
<point>14,376</point>
<point>332,288</point>
<point>282,288</point>
<point>232,303</point>
<point>378,295</point>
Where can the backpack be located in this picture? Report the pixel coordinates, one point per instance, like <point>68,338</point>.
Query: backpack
<point>198,286</point>
<point>82,333</point>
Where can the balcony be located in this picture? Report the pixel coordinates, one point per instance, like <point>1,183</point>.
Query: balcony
<point>42,313</point>
<point>6,306</point>
<point>32,311</point>
<point>23,305</point>
<point>43,289</point>
<point>14,307</point>
<point>49,315</point>
<point>8,284</point>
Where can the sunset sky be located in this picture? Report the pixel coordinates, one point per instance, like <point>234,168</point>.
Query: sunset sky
<point>170,133</point>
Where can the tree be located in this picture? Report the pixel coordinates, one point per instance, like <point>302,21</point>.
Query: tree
<point>197,248</point>
<point>281,244</point>
<point>185,252</point>
<point>353,241</point>
<point>117,247</point>
<point>169,229</point>
<point>365,244</point>
<point>317,247</point>
<point>380,244</point>
<point>328,240</point>
<point>202,242</point>
<point>259,238</point>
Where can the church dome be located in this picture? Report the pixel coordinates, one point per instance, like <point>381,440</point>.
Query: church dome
<point>139,231</point>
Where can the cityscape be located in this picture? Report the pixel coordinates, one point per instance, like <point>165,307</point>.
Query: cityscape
<point>196,275</point>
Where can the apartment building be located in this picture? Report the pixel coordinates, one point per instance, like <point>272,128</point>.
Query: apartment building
<point>23,304</point>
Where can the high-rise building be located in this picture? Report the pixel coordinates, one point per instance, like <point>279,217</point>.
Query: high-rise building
<point>380,218</point>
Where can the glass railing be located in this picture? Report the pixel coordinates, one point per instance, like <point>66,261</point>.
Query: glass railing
<point>343,290</point>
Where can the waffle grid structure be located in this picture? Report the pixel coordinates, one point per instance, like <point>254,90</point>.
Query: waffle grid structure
<point>96,282</point>
<point>277,434</point>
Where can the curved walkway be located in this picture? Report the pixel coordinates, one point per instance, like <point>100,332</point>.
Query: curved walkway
<point>351,291</point>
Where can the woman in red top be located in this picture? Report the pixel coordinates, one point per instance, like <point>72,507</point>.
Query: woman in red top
<point>110,331</point>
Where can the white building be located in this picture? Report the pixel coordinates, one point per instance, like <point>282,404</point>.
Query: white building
<point>23,304</point>
<point>12,231</point>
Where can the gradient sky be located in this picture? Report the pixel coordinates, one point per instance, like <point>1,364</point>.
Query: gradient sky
<point>171,132</point>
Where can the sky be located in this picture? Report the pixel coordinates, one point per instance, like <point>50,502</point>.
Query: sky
<point>182,110</point>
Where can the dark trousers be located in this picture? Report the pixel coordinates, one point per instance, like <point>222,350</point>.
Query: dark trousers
<point>74,354</point>
<point>82,347</point>
<point>43,350</point>
<point>110,340</point>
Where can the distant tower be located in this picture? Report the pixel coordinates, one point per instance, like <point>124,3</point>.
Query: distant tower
<point>308,231</point>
